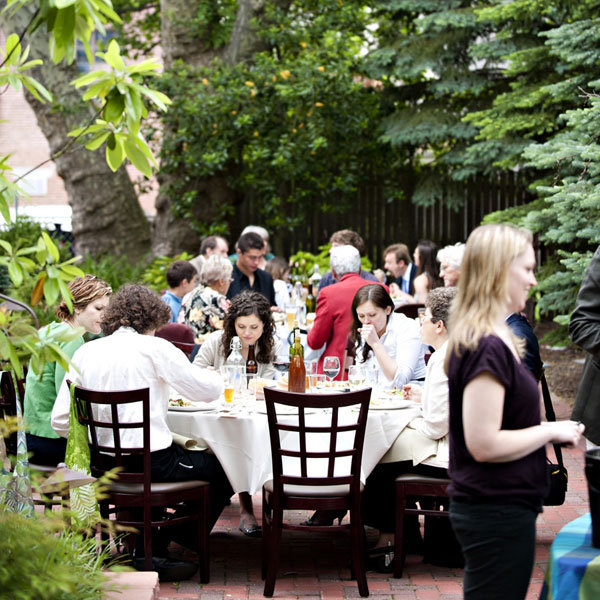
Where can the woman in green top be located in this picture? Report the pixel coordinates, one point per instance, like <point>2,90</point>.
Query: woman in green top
<point>90,298</point>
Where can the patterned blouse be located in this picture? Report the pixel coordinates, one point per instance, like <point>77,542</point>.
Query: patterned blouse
<point>203,310</point>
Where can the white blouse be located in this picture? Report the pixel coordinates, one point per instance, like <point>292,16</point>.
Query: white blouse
<point>402,342</point>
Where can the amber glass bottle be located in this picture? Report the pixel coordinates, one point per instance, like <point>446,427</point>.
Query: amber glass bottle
<point>297,372</point>
<point>251,364</point>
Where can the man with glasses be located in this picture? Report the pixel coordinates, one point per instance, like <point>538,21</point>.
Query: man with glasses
<point>246,274</point>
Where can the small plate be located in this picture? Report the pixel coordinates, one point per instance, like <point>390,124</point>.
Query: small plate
<point>391,404</point>
<point>194,407</point>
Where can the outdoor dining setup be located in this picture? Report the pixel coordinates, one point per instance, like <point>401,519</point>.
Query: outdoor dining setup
<point>365,412</point>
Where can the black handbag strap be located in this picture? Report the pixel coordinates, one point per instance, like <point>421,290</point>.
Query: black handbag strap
<point>550,416</point>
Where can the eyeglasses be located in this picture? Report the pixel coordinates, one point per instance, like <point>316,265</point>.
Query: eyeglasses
<point>424,317</point>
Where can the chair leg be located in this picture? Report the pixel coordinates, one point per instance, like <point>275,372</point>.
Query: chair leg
<point>266,522</point>
<point>358,552</point>
<point>399,553</point>
<point>203,538</point>
<point>147,529</point>
<point>273,544</point>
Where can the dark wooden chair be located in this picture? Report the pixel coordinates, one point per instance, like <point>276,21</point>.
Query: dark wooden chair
<point>292,439</point>
<point>50,496</point>
<point>411,485</point>
<point>110,447</point>
<point>410,310</point>
<point>8,408</point>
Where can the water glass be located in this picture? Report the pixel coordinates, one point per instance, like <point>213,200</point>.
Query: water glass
<point>250,393</point>
<point>356,377</point>
<point>234,382</point>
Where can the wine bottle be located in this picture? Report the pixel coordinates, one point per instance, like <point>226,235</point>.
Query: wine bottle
<point>297,371</point>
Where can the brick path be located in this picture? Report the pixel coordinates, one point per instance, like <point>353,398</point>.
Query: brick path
<point>316,566</point>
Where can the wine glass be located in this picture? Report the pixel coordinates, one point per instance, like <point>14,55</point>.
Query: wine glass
<point>331,367</point>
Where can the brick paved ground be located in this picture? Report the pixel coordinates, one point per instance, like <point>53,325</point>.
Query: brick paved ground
<point>316,566</point>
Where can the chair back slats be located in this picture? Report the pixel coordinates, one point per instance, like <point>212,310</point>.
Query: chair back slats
<point>99,412</point>
<point>8,407</point>
<point>295,430</point>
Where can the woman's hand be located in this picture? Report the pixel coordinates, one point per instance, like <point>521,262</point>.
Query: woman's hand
<point>412,392</point>
<point>369,335</point>
<point>567,433</point>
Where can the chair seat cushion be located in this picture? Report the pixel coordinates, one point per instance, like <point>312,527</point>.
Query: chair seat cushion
<point>156,487</point>
<point>422,479</point>
<point>312,490</point>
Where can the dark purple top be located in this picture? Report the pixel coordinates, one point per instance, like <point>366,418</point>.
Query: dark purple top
<point>522,481</point>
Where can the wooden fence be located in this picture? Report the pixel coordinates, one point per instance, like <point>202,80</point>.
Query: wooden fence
<point>382,223</point>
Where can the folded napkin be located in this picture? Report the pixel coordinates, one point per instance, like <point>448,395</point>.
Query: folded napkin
<point>190,443</point>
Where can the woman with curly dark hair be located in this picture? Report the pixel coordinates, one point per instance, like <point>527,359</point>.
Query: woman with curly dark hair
<point>249,317</point>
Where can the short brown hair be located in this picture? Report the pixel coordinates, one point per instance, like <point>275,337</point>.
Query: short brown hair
<point>400,251</point>
<point>137,307</point>
<point>439,301</point>
<point>84,291</point>
<point>180,270</point>
<point>347,237</point>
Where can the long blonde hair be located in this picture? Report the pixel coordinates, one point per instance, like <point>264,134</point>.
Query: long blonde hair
<point>483,284</point>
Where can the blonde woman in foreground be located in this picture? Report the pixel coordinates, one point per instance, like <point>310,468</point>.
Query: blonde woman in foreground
<point>497,454</point>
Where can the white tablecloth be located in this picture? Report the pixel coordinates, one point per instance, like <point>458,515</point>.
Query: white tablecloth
<point>243,447</point>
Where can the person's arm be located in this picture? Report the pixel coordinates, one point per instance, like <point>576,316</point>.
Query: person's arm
<point>207,355</point>
<point>386,363</point>
<point>483,405</point>
<point>59,418</point>
<point>323,325</point>
<point>435,407</point>
<point>188,379</point>
<point>584,327</point>
<point>69,349</point>
<point>421,285</point>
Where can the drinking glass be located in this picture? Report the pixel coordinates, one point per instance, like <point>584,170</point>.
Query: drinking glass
<point>311,370</point>
<point>331,367</point>
<point>233,382</point>
<point>356,377</point>
<point>290,315</point>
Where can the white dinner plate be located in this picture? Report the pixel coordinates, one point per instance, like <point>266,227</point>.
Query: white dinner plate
<point>194,407</point>
<point>391,404</point>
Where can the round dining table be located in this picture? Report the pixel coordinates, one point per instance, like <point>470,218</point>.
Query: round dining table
<point>239,437</point>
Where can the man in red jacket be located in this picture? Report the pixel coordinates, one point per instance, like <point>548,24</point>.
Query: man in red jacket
<point>333,318</point>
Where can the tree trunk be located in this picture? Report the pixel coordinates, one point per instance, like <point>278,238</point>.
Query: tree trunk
<point>107,217</point>
<point>170,235</point>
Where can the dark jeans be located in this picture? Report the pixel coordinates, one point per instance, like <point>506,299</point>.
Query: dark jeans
<point>177,464</point>
<point>498,543</point>
<point>379,496</point>
<point>46,451</point>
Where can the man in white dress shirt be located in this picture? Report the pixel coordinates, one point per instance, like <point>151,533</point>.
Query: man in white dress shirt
<point>130,357</point>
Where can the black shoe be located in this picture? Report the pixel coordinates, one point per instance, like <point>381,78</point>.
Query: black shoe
<point>381,559</point>
<point>325,518</point>
<point>167,569</point>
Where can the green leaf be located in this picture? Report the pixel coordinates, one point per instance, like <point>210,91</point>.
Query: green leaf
<point>113,109</point>
<point>115,155</point>
<point>6,245</point>
<point>12,45</point>
<point>97,141</point>
<point>113,56</point>
<point>66,294</point>
<point>51,247</point>
<point>15,272</point>
<point>51,290</point>
<point>64,25</point>
<point>137,158</point>
<point>34,87</point>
